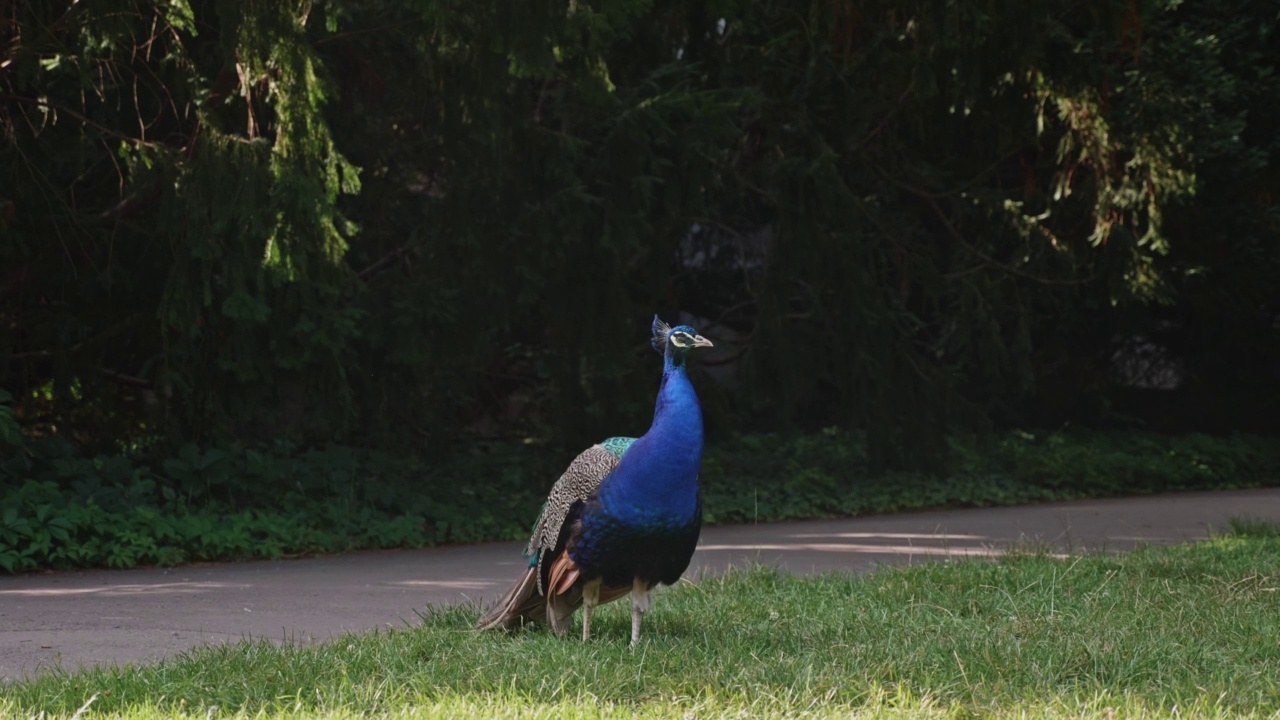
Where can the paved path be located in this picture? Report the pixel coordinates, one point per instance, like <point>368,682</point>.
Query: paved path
<point>116,616</point>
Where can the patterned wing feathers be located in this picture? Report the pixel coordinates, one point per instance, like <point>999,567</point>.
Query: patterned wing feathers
<point>528,600</point>
<point>579,482</point>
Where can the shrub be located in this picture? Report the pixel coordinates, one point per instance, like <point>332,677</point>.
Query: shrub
<point>63,510</point>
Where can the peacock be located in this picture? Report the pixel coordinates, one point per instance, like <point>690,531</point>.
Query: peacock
<point>623,517</point>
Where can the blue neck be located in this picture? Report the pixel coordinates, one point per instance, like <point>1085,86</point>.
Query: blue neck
<point>658,475</point>
<point>677,418</point>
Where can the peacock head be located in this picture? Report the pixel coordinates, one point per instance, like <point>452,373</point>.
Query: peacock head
<point>676,342</point>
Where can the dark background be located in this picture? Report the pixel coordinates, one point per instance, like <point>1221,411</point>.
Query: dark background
<point>413,226</point>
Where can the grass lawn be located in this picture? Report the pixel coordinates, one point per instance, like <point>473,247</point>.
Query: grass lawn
<point>1192,631</point>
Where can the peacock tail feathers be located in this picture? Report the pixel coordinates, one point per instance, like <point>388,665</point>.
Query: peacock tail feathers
<point>520,604</point>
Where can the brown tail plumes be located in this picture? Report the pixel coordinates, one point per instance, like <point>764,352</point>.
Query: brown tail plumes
<point>521,604</point>
<point>524,604</point>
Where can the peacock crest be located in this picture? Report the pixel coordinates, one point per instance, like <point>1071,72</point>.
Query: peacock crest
<point>661,331</point>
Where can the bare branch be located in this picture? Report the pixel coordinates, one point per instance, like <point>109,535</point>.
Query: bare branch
<point>78,116</point>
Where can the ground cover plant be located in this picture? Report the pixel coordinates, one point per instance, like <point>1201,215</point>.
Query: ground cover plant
<point>1187,631</point>
<point>62,509</point>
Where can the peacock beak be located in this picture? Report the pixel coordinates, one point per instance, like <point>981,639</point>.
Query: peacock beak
<point>699,341</point>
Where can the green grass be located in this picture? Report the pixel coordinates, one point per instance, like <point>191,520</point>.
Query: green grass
<point>1254,527</point>
<point>1163,632</point>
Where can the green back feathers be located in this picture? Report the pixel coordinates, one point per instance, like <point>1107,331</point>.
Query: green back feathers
<point>617,445</point>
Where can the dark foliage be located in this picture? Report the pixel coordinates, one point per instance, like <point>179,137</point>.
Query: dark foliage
<point>60,510</point>
<point>412,226</point>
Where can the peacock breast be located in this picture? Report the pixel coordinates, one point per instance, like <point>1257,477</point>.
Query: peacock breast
<point>643,544</point>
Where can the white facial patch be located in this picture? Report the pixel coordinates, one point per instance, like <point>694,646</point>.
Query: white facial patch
<point>681,339</point>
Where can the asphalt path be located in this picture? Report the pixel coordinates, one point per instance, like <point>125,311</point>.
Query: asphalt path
<point>73,619</point>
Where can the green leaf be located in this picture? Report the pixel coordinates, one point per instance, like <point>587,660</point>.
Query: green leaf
<point>181,16</point>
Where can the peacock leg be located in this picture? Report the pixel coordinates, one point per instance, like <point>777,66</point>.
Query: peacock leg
<point>639,606</point>
<point>590,598</point>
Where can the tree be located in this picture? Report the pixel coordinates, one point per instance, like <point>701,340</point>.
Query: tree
<point>367,220</point>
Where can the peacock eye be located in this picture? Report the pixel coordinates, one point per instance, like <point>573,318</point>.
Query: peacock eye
<point>681,339</point>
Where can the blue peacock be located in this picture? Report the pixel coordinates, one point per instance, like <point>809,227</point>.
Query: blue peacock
<point>623,517</point>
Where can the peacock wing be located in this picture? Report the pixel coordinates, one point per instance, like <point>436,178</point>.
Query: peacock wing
<point>579,482</point>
